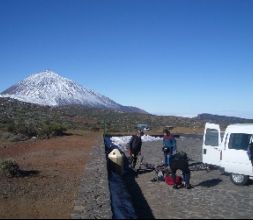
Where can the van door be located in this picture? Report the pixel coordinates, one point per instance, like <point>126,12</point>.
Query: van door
<point>211,144</point>
<point>235,157</point>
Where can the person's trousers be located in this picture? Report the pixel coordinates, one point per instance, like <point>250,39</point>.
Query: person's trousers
<point>134,159</point>
<point>187,178</point>
<point>182,165</point>
<point>167,159</point>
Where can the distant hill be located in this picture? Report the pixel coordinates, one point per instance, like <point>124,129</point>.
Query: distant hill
<point>50,89</point>
<point>222,119</point>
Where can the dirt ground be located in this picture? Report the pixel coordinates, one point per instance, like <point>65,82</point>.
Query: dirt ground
<point>57,165</point>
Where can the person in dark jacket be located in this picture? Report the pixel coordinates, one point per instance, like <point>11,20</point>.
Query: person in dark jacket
<point>179,161</point>
<point>135,145</point>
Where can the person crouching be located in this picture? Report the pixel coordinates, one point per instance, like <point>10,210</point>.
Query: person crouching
<point>179,161</point>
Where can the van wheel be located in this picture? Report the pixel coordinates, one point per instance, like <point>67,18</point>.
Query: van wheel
<point>239,180</point>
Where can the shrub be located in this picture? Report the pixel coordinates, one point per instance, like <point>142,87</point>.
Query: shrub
<point>41,129</point>
<point>95,129</point>
<point>51,129</point>
<point>9,168</point>
<point>28,129</point>
<point>11,127</point>
<point>57,129</point>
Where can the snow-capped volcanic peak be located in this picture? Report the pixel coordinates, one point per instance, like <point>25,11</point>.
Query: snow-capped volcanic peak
<point>49,88</point>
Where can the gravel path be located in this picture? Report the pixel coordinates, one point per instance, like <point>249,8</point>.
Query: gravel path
<point>213,196</point>
<point>93,201</point>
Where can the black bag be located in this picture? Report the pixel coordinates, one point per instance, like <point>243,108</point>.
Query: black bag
<point>180,156</point>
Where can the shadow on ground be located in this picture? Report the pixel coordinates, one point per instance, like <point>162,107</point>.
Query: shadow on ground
<point>21,174</point>
<point>141,206</point>
<point>210,183</point>
<point>28,173</point>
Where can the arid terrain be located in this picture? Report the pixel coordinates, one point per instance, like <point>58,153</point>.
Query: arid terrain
<point>54,168</point>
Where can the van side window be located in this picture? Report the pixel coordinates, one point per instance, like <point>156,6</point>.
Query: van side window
<point>239,141</point>
<point>212,137</point>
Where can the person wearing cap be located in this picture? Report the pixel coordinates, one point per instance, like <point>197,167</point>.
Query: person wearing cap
<point>135,145</point>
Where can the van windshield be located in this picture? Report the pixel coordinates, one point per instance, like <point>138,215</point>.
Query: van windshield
<point>239,141</point>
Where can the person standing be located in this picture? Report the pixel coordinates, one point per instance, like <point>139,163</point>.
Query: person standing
<point>169,146</point>
<point>135,145</point>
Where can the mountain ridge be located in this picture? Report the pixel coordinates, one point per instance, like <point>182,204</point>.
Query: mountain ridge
<point>222,118</point>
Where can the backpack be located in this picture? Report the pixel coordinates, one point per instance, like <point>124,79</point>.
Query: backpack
<point>180,156</point>
<point>169,180</point>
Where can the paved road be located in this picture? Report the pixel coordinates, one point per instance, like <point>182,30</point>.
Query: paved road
<point>213,196</point>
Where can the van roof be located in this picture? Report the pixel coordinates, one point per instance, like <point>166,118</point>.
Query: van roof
<point>240,128</point>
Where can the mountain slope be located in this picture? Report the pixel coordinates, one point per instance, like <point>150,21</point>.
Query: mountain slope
<point>49,88</point>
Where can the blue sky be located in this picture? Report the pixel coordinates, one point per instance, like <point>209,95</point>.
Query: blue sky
<point>168,57</point>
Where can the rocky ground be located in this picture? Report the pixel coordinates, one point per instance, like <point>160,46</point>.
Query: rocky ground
<point>57,166</point>
<point>93,200</point>
<point>213,195</point>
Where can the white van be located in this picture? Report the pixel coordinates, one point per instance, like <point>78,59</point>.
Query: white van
<point>229,152</point>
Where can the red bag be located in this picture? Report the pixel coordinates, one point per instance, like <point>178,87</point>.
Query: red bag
<point>170,181</point>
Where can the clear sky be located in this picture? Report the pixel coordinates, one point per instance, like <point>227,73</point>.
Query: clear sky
<point>180,57</point>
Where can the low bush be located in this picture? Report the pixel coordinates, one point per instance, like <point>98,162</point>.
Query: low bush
<point>9,168</point>
<point>57,129</point>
